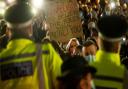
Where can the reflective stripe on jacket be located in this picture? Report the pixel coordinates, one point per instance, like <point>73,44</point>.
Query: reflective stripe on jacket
<point>19,57</point>
<point>110,73</point>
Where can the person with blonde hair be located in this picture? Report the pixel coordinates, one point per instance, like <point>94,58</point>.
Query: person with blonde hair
<point>71,46</point>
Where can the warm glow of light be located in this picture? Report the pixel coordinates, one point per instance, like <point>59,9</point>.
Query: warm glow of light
<point>37,3</point>
<point>10,1</point>
<point>124,38</point>
<point>2,11</point>
<point>112,5</point>
<point>2,7</point>
<point>2,4</point>
<point>34,11</point>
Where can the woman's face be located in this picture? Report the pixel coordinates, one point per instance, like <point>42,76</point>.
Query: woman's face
<point>72,47</point>
<point>85,82</point>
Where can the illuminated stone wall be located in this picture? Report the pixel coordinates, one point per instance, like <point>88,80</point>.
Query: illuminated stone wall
<point>63,19</point>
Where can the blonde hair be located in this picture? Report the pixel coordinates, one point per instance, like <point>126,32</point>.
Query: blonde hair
<point>69,43</point>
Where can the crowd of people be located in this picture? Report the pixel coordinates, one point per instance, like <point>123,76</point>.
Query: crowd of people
<point>29,59</point>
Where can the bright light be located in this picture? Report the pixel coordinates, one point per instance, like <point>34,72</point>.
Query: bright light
<point>34,11</point>
<point>112,5</point>
<point>37,3</point>
<point>101,15</point>
<point>2,11</point>
<point>125,6</point>
<point>10,1</point>
<point>2,7</point>
<point>124,38</point>
<point>2,4</point>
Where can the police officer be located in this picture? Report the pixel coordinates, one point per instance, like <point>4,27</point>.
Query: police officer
<point>20,67</point>
<point>111,74</point>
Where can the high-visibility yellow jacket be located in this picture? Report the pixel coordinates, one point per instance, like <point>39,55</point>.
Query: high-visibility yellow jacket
<point>19,58</point>
<point>110,73</point>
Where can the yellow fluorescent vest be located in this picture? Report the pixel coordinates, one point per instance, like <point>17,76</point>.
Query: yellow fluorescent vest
<point>28,79</point>
<point>110,73</point>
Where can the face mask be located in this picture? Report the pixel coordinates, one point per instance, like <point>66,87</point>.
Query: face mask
<point>90,58</point>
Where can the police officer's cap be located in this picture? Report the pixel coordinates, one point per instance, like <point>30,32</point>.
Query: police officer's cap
<point>112,27</point>
<point>75,66</point>
<point>18,13</point>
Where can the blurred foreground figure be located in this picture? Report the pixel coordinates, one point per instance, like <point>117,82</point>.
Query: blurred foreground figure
<point>76,74</point>
<point>4,35</point>
<point>24,64</point>
<point>111,74</point>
